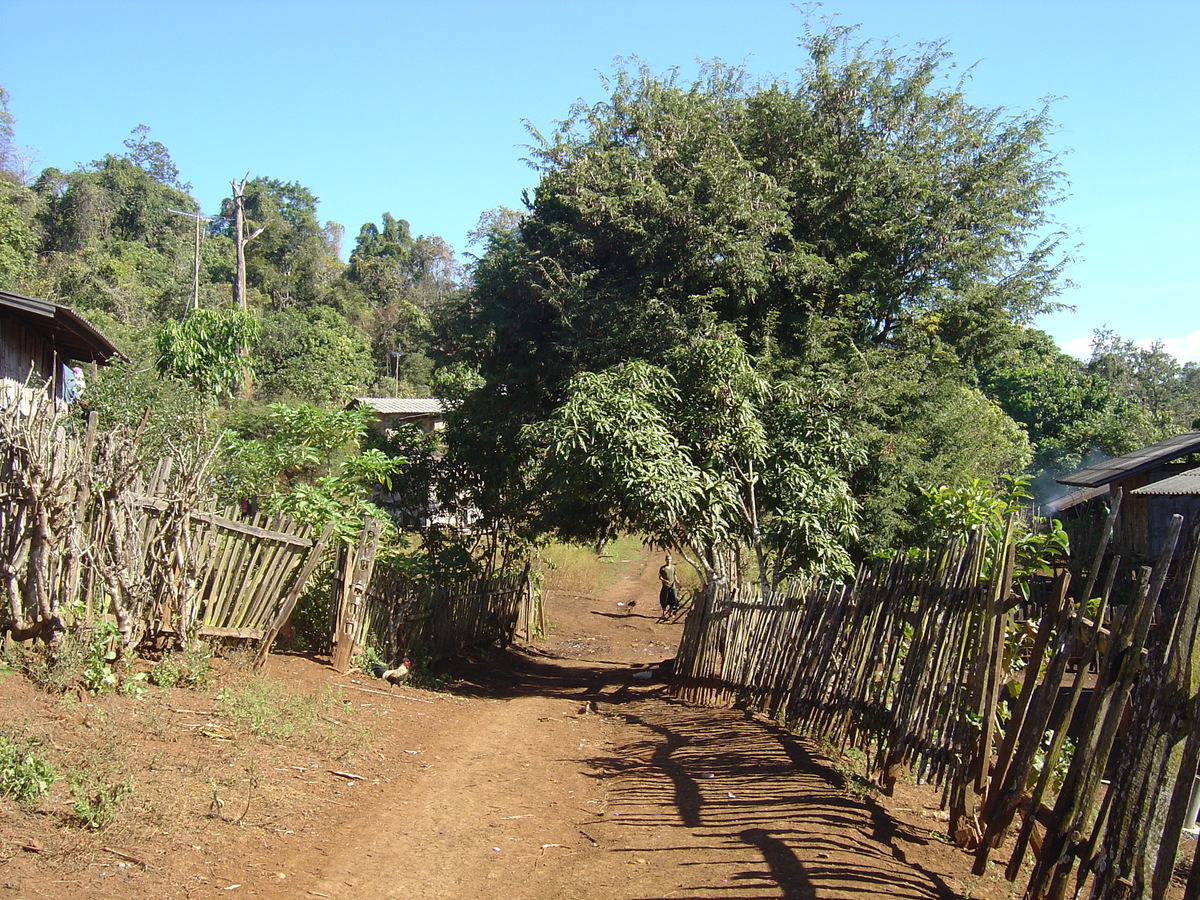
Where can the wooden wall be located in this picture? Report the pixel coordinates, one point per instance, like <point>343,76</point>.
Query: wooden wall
<point>22,351</point>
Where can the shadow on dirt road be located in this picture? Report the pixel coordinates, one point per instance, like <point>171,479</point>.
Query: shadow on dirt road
<point>689,802</point>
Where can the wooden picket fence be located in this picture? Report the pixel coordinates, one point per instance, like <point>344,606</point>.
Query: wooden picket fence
<point>378,606</point>
<point>85,535</point>
<point>917,659</point>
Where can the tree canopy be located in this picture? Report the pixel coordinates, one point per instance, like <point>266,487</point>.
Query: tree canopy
<point>761,320</point>
<point>867,236</point>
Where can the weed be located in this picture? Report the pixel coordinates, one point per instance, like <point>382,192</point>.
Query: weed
<point>166,672</point>
<point>24,775</point>
<point>267,709</point>
<point>850,764</point>
<point>217,803</point>
<point>156,725</point>
<point>369,659</point>
<point>54,668</point>
<point>95,801</point>
<point>197,666</point>
<point>98,674</point>
<point>190,669</point>
<point>84,656</point>
<point>131,683</point>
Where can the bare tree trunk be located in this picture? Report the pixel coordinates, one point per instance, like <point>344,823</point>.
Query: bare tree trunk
<point>240,239</point>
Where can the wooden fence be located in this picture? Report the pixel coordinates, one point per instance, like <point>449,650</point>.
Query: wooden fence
<point>379,607</point>
<point>920,664</point>
<point>84,535</point>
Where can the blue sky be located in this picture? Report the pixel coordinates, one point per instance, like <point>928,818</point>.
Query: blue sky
<point>417,108</point>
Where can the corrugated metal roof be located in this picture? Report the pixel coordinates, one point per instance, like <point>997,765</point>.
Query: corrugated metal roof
<point>73,336</point>
<point>403,406</point>
<point>1136,462</point>
<point>1184,483</point>
<point>1072,499</point>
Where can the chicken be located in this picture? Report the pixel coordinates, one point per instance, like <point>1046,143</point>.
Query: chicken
<point>397,675</point>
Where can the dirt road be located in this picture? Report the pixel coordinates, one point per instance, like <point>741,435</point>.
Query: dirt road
<point>569,776</point>
<point>557,770</point>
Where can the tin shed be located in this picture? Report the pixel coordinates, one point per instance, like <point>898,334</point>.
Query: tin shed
<point>1149,480</point>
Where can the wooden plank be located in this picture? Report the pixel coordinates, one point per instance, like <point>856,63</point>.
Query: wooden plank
<point>218,632</point>
<point>360,565</point>
<point>251,530</point>
<point>293,596</point>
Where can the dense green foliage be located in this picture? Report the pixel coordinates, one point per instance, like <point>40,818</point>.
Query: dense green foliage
<point>305,462</point>
<point>759,319</point>
<point>209,348</point>
<point>873,244</point>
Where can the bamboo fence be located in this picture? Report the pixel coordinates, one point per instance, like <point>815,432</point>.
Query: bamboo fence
<point>922,664</point>
<point>437,623</point>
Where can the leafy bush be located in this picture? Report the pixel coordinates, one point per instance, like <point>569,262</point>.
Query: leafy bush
<point>95,801</point>
<point>24,775</point>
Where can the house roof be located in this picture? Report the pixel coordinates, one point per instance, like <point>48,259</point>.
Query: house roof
<point>1184,483</point>
<point>1072,499</point>
<point>73,336</point>
<point>1136,462</point>
<point>403,406</point>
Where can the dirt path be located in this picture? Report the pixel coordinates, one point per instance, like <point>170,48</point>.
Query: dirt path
<point>558,770</point>
<point>569,777</point>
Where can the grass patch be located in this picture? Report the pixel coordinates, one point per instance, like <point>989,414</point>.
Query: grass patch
<point>268,709</point>
<point>581,570</point>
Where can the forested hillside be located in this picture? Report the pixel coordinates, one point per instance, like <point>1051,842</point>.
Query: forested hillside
<point>767,313</point>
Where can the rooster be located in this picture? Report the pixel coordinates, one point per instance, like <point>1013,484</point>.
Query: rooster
<point>397,675</point>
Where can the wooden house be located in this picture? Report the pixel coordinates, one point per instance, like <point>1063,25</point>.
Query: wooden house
<point>391,412</point>
<point>41,340</point>
<point>1156,483</point>
<point>429,414</point>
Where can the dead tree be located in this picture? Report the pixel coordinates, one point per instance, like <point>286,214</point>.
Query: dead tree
<point>241,239</point>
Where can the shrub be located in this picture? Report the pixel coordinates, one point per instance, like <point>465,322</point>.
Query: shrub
<point>24,775</point>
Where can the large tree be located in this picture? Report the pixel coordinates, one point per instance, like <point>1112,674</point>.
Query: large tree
<point>703,453</point>
<point>864,221</point>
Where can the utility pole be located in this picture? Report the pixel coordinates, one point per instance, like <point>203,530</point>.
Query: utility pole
<point>198,217</point>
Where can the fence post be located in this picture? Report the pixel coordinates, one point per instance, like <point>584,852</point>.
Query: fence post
<point>354,588</point>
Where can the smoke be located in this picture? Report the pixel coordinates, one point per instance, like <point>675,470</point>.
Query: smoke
<point>1045,487</point>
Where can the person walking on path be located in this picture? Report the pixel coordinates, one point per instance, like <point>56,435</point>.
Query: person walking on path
<point>668,595</point>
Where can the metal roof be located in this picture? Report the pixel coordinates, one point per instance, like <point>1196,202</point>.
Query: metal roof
<point>1184,483</point>
<point>1136,462</point>
<point>73,336</point>
<point>1072,499</point>
<point>403,406</point>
